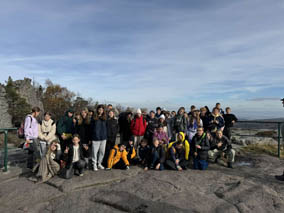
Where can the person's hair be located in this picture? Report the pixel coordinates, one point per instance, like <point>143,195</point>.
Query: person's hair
<point>87,119</point>
<point>215,108</point>
<point>49,147</point>
<point>227,108</point>
<point>200,127</point>
<point>76,136</point>
<point>192,117</point>
<point>160,126</point>
<point>158,108</point>
<point>179,143</point>
<point>203,109</point>
<point>155,139</point>
<point>35,109</point>
<point>207,108</point>
<point>144,140</point>
<point>109,105</point>
<point>47,113</point>
<point>219,130</point>
<point>218,104</point>
<point>152,112</point>
<point>192,107</point>
<point>181,108</point>
<point>103,116</point>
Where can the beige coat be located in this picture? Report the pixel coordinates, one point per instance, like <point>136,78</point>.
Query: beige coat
<point>47,131</point>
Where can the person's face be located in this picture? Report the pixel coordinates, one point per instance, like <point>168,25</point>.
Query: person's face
<point>179,147</point>
<point>109,107</point>
<point>47,117</point>
<point>158,111</point>
<point>84,114</point>
<point>130,143</point>
<point>75,140</point>
<point>156,143</point>
<point>200,131</point>
<point>228,111</point>
<point>180,137</point>
<point>152,115</point>
<point>139,115</point>
<point>216,112</point>
<point>70,114</point>
<point>91,114</point>
<point>203,112</point>
<point>53,147</point>
<point>129,116</point>
<point>181,112</point>
<point>122,148</point>
<point>160,129</point>
<point>100,111</point>
<point>219,134</point>
<point>218,106</point>
<point>192,109</point>
<point>111,114</point>
<point>143,144</point>
<point>37,114</point>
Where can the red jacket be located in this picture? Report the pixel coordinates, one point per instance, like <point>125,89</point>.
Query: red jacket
<point>138,126</point>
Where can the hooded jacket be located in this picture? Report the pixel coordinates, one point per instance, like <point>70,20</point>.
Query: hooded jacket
<point>138,126</point>
<point>65,124</point>
<point>115,156</point>
<point>47,131</point>
<point>186,145</point>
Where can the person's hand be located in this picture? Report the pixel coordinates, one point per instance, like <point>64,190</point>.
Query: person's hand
<point>63,136</point>
<point>177,161</point>
<point>146,168</point>
<point>85,146</point>
<point>219,145</point>
<point>28,141</point>
<point>198,146</point>
<point>179,168</point>
<point>216,122</point>
<point>58,146</point>
<point>209,136</point>
<point>233,122</point>
<point>195,154</point>
<point>66,150</point>
<point>158,166</point>
<point>223,154</point>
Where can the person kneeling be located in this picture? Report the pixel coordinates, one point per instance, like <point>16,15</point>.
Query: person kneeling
<point>221,146</point>
<point>156,157</point>
<point>118,158</point>
<point>75,162</point>
<point>177,157</point>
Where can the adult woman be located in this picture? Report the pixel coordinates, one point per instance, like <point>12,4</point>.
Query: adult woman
<point>194,123</point>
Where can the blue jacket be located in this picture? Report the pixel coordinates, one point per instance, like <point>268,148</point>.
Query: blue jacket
<point>99,130</point>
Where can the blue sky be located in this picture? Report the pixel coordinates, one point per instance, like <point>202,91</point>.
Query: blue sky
<point>151,52</point>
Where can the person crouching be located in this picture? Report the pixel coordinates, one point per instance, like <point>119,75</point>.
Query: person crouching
<point>75,162</point>
<point>118,158</point>
<point>156,157</point>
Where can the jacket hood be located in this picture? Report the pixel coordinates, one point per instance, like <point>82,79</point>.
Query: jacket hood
<point>183,136</point>
<point>69,110</point>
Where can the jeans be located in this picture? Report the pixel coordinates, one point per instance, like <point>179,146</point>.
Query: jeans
<point>155,161</point>
<point>200,164</point>
<point>43,148</point>
<point>98,152</point>
<point>33,154</point>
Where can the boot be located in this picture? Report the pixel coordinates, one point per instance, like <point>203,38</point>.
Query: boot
<point>230,165</point>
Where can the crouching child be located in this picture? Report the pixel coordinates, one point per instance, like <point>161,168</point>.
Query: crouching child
<point>156,157</point>
<point>75,162</point>
<point>177,157</point>
<point>118,158</point>
<point>143,152</point>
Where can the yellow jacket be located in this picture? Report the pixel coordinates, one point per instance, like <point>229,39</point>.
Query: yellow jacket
<point>185,143</point>
<point>115,156</point>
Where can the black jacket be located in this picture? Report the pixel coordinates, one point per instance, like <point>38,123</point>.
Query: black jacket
<point>152,125</point>
<point>205,121</point>
<point>84,130</point>
<point>204,142</point>
<point>226,144</point>
<point>176,153</point>
<point>180,123</point>
<point>99,130</point>
<point>144,152</point>
<point>161,153</point>
<point>229,118</point>
<point>69,156</point>
<point>112,129</point>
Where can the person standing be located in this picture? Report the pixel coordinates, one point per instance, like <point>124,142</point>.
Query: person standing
<point>138,128</point>
<point>31,130</point>
<point>98,137</point>
<point>230,120</point>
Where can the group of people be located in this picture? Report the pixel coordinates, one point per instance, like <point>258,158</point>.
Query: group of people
<point>155,140</point>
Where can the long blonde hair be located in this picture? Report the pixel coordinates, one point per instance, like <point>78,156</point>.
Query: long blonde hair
<point>49,147</point>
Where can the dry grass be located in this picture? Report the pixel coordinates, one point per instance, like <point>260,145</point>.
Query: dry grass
<point>264,149</point>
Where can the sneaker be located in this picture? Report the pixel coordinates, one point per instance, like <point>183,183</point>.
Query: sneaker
<point>95,168</point>
<point>81,175</point>
<point>100,167</point>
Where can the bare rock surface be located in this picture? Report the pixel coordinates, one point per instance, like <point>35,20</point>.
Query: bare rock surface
<point>249,187</point>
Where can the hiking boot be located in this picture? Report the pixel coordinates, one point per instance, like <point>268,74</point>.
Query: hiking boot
<point>230,165</point>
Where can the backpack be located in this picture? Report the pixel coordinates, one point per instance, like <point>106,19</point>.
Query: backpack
<point>21,130</point>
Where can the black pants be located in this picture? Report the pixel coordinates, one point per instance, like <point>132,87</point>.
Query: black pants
<point>64,143</point>
<point>109,145</point>
<point>33,153</point>
<point>228,132</point>
<point>172,165</point>
<point>120,165</point>
<point>76,167</point>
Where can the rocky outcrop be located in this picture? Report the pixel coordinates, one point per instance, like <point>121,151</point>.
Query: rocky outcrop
<point>32,94</point>
<point>6,119</point>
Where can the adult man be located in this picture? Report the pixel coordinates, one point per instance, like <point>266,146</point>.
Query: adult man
<point>216,121</point>
<point>221,146</point>
<point>230,120</point>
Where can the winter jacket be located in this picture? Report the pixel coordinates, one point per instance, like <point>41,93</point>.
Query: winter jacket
<point>152,125</point>
<point>229,118</point>
<point>115,156</point>
<point>31,127</point>
<point>65,125</point>
<point>138,126</point>
<point>170,126</point>
<point>161,153</point>
<point>124,127</point>
<point>161,136</point>
<point>143,152</point>
<point>69,156</point>
<point>83,129</point>
<point>176,154</point>
<point>186,146</point>
<point>98,129</point>
<point>180,123</point>
<point>47,131</point>
<point>131,153</point>
<point>226,143</point>
<point>213,125</point>
<point>112,129</point>
<point>205,121</point>
<point>204,142</point>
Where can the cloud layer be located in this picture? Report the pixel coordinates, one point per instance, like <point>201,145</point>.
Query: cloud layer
<point>149,53</point>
